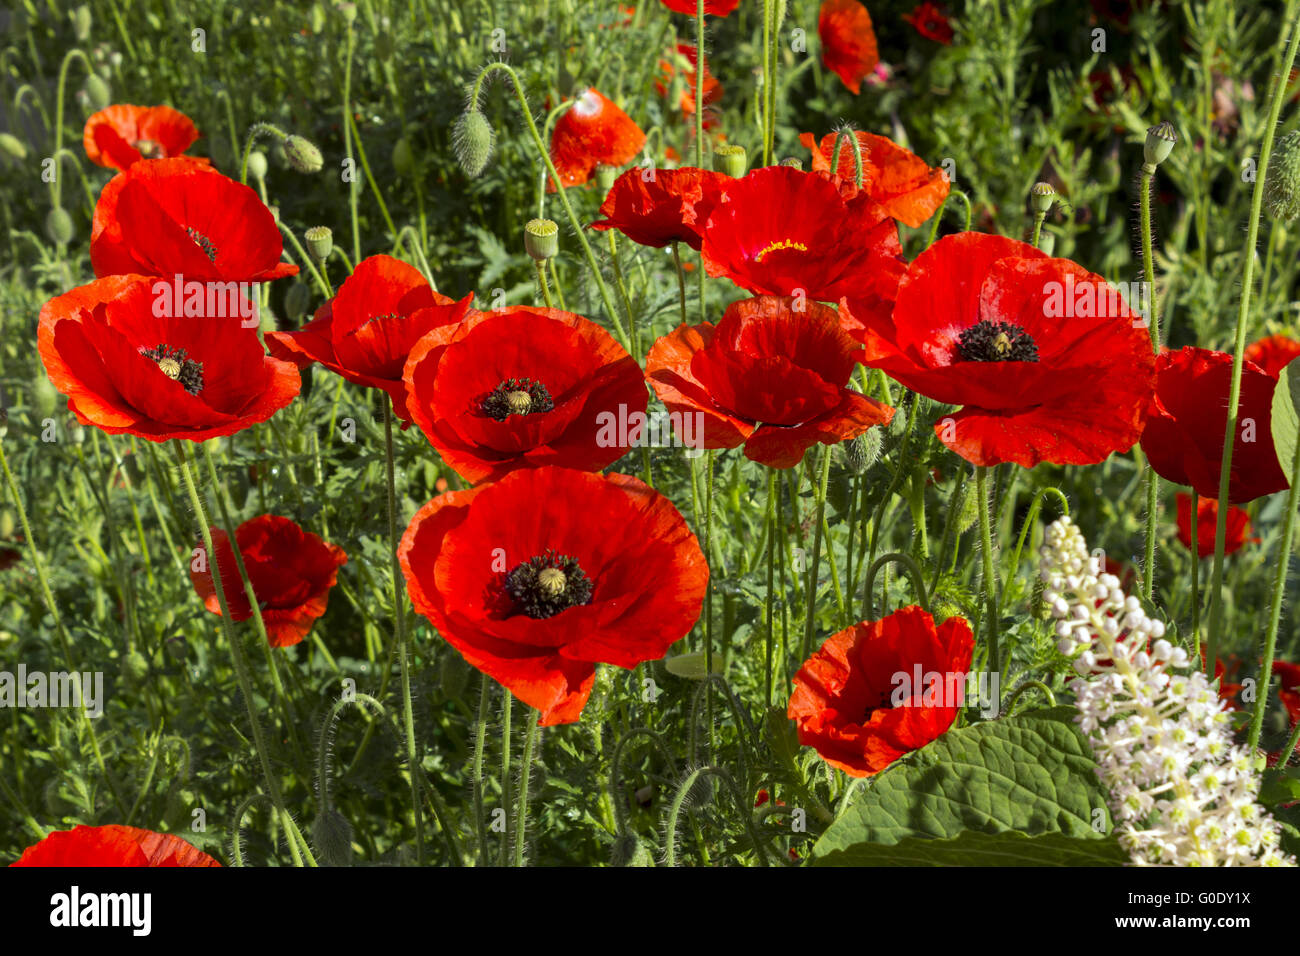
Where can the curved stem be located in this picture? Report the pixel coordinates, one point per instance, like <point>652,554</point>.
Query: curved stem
<point>913,572</point>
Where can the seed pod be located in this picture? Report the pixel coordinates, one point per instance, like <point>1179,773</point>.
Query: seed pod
<point>730,159</point>
<point>605,176</point>
<point>542,239</point>
<point>1041,198</point>
<point>1159,144</point>
<point>320,242</point>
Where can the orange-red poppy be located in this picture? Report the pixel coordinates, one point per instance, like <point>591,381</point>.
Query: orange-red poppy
<point>121,135</point>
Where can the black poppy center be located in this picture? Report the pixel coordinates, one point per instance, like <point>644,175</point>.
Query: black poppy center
<point>148,148</point>
<point>175,364</point>
<point>996,342</point>
<point>517,396</point>
<point>203,242</point>
<point>547,584</point>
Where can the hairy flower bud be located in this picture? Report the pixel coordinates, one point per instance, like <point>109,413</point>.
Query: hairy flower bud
<point>472,138</point>
<point>97,92</point>
<point>257,164</point>
<point>302,155</point>
<point>332,835</point>
<point>1282,186</point>
<point>58,225</point>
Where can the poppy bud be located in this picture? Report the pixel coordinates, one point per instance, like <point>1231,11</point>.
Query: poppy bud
<point>332,835</point>
<point>862,452</point>
<point>1041,198</point>
<point>297,301</point>
<point>349,12</point>
<point>81,25</point>
<point>302,155</point>
<point>403,157</point>
<point>730,159</point>
<point>1160,143</point>
<point>691,666</point>
<point>781,735</point>
<point>605,176</point>
<point>46,396</point>
<point>542,239</point>
<point>796,163</point>
<point>12,147</point>
<point>6,516</point>
<point>135,669</point>
<point>472,138</point>
<point>320,242</point>
<point>97,92</point>
<point>58,225</point>
<point>628,850</point>
<point>453,674</point>
<point>257,164</point>
<point>1282,187</point>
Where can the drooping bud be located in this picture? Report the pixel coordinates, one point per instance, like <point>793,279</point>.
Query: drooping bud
<point>605,176</point>
<point>1160,143</point>
<point>97,92</point>
<point>320,242</point>
<point>257,164</point>
<point>1282,186</point>
<point>1041,198</point>
<point>542,239</point>
<point>302,154</point>
<point>332,835</point>
<point>861,452</point>
<point>403,156</point>
<point>472,138</point>
<point>12,147</point>
<point>58,225</point>
<point>730,159</point>
<point>81,24</point>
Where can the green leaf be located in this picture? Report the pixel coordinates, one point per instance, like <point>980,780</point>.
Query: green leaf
<point>1034,773</point>
<point>1286,421</point>
<point>972,848</point>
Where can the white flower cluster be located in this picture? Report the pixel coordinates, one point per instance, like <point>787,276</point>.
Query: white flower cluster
<point>1181,792</point>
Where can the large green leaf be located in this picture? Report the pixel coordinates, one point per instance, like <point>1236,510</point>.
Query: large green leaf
<point>1033,773</point>
<point>972,848</point>
<point>1285,420</point>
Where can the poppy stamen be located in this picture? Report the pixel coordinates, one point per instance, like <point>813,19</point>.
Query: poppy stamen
<point>148,148</point>
<point>516,396</point>
<point>780,244</point>
<point>177,366</point>
<point>988,341</point>
<point>203,242</point>
<point>547,584</point>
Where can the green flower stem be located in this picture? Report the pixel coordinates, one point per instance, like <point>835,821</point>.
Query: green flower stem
<point>843,136</point>
<point>699,83</point>
<point>1275,98</point>
<point>767,78</point>
<point>541,282</point>
<point>771,573</point>
<point>1275,607</point>
<point>507,705</point>
<point>621,285</point>
<point>1031,516</point>
<point>681,279</point>
<point>298,846</point>
<point>955,501</point>
<point>1196,576</point>
<point>322,280</point>
<point>913,572</point>
<point>990,580</point>
<point>347,149</point>
<point>400,636</point>
<point>480,737</point>
<point>1015,694</point>
<point>365,166</point>
<point>526,773</point>
<point>938,216</point>
<point>255,132</point>
<point>1039,218</point>
<point>810,592</point>
<point>545,155</point>
<point>1152,479</point>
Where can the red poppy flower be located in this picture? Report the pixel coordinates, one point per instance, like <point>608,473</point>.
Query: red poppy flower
<point>538,577</point>
<point>366,332</point>
<point>654,207</point>
<point>712,8</point>
<point>770,376</point>
<point>1044,355</point>
<point>848,41</point>
<point>592,131</point>
<point>711,93</point>
<point>111,846</point>
<point>181,216</point>
<point>930,22</point>
<point>1289,688</point>
<point>121,135</point>
<point>782,231</point>
<point>1183,439</point>
<point>291,571</point>
<point>1272,354</point>
<point>897,179</point>
<point>1207,517</point>
<point>524,387</point>
<point>850,705</point>
<point>127,370</point>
